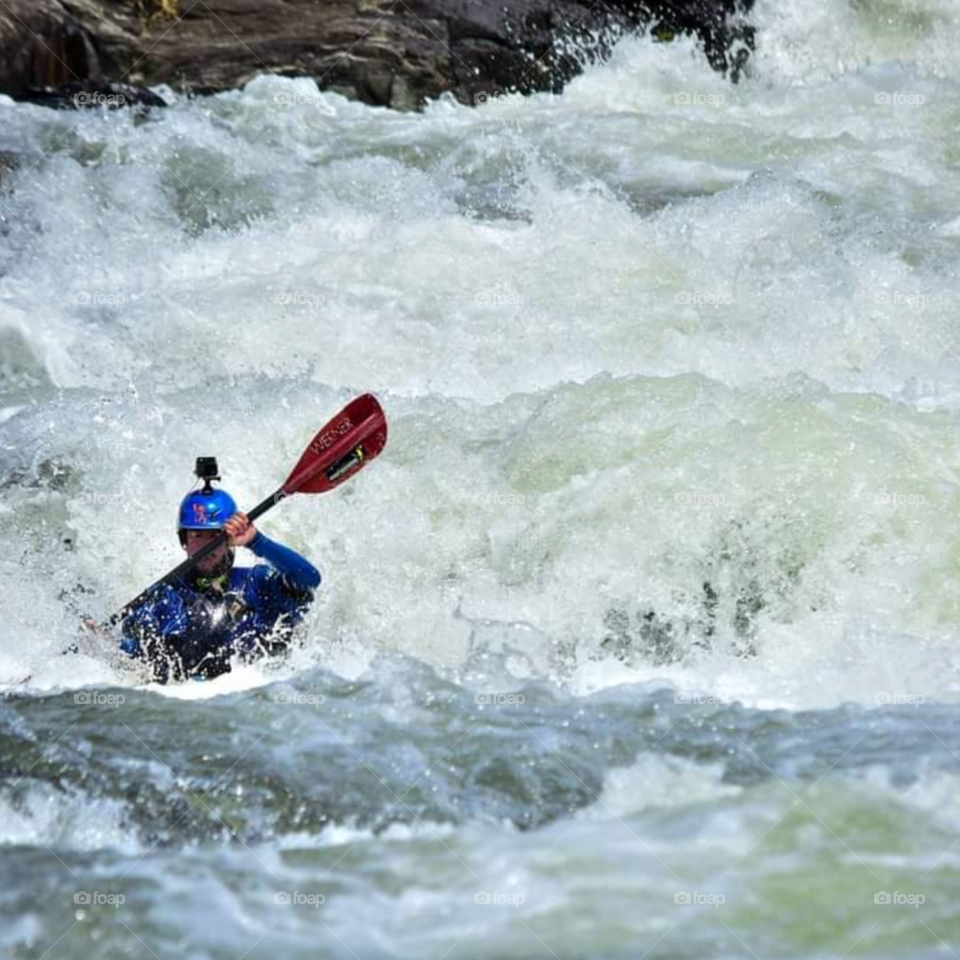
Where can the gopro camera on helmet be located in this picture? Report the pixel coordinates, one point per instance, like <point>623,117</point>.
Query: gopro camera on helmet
<point>206,470</point>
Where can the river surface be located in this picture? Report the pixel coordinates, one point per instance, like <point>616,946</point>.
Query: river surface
<point>640,638</point>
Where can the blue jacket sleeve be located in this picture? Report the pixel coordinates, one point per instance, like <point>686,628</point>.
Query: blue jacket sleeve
<point>160,614</point>
<point>137,625</point>
<point>299,574</point>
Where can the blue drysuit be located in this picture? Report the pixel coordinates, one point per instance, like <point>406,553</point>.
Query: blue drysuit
<point>185,633</point>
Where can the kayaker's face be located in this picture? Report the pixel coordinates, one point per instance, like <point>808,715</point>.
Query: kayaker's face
<point>196,540</point>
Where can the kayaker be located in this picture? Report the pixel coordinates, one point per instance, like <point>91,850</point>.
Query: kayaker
<point>194,627</point>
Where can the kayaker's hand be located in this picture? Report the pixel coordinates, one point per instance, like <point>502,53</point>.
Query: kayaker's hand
<point>240,531</point>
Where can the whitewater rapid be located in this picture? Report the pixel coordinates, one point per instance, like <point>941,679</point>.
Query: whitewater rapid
<point>639,639</point>
<point>657,331</point>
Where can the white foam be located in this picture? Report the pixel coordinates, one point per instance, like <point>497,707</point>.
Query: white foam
<point>40,815</point>
<point>661,781</point>
<point>241,679</point>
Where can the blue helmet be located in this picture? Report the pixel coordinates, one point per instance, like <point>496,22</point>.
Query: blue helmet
<point>206,509</point>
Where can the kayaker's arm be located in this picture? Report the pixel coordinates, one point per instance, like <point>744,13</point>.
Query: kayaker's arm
<point>135,627</point>
<point>297,571</point>
<point>148,627</point>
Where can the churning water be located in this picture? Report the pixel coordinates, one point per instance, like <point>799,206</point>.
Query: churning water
<point>639,639</point>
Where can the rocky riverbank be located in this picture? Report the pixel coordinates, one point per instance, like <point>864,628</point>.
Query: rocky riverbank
<point>396,54</point>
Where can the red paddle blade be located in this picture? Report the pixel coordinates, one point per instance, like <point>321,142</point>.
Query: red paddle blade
<point>341,448</point>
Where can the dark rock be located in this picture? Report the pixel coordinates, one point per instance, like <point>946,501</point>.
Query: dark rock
<point>395,53</point>
<point>89,94</point>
